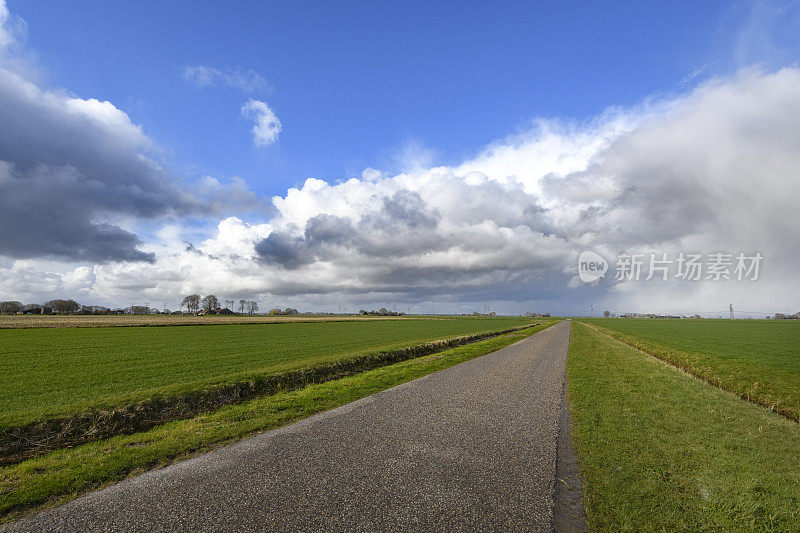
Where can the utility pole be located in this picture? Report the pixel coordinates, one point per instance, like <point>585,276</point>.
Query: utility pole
<point>731,308</point>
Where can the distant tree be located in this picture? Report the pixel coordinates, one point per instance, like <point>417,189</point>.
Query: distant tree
<point>252,308</point>
<point>242,306</point>
<point>362,312</point>
<point>275,311</point>
<point>138,310</point>
<point>63,306</point>
<point>209,302</point>
<point>192,303</point>
<point>383,311</point>
<point>94,310</point>
<point>290,311</point>
<point>10,307</point>
<point>606,314</point>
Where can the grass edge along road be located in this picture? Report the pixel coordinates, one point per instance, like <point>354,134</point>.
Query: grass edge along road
<point>662,450</point>
<point>763,386</point>
<point>64,474</point>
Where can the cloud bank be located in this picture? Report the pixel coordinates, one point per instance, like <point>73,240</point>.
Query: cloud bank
<point>714,169</point>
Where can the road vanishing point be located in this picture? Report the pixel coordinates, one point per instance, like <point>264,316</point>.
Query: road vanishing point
<point>481,446</point>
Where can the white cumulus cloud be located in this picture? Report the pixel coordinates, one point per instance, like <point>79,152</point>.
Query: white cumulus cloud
<point>266,125</point>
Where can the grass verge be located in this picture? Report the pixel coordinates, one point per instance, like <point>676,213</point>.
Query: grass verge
<point>757,360</point>
<point>660,450</point>
<point>63,474</point>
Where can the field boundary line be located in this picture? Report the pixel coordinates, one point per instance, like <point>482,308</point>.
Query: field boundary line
<point>100,323</point>
<point>23,442</point>
<point>786,413</point>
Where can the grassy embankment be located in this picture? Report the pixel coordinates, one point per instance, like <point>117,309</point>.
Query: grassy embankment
<point>661,451</point>
<point>758,360</point>
<point>63,474</point>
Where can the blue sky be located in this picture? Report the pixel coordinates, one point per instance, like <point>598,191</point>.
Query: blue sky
<point>436,156</point>
<point>355,85</point>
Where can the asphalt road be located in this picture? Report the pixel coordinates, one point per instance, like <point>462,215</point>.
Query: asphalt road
<point>473,447</point>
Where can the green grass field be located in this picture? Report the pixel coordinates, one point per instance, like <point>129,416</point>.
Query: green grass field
<point>50,372</point>
<point>63,474</point>
<point>662,451</point>
<point>757,359</point>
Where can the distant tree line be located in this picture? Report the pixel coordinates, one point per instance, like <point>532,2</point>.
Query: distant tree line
<point>53,306</point>
<point>193,304</point>
<point>288,311</point>
<point>210,305</point>
<point>380,312</point>
<point>69,307</point>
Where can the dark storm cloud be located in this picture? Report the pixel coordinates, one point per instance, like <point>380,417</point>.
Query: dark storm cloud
<point>68,168</point>
<point>50,212</point>
<point>284,250</point>
<point>402,225</point>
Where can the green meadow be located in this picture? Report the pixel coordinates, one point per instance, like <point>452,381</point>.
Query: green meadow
<point>661,450</point>
<point>63,371</point>
<point>756,359</point>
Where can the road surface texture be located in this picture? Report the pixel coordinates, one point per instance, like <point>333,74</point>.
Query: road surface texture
<point>473,447</point>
